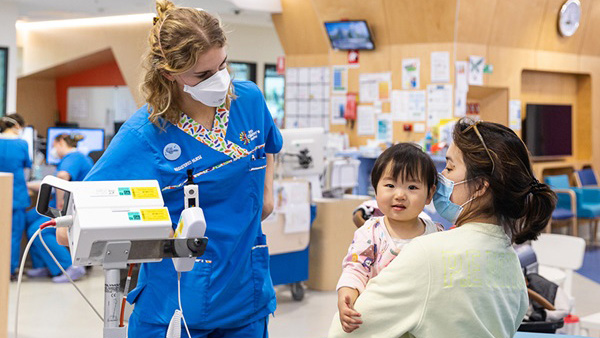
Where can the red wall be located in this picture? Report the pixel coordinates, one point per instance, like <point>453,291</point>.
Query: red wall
<point>107,74</point>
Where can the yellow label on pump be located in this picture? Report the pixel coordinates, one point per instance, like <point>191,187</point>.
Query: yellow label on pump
<point>155,214</point>
<point>144,192</point>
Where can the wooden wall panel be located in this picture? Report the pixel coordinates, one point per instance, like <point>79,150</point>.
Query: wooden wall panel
<point>583,119</point>
<point>517,23</point>
<point>300,29</point>
<point>508,63</point>
<point>550,39</point>
<point>474,20</point>
<point>42,111</point>
<point>592,64</point>
<point>417,21</point>
<point>6,191</point>
<point>556,61</point>
<point>589,44</point>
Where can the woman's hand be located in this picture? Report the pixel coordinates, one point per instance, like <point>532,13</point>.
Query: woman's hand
<point>348,316</point>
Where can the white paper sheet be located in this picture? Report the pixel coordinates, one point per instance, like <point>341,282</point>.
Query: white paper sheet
<point>291,91</point>
<point>338,107</point>
<point>315,91</point>
<point>292,200</point>
<point>461,70</point>
<point>339,81</point>
<point>460,103</point>
<point>303,75</point>
<point>291,75</point>
<point>303,108</point>
<point>440,67</point>
<point>385,128</point>
<point>316,109</point>
<point>411,73</point>
<point>303,92</point>
<point>514,114</point>
<point>439,103</point>
<point>375,86</point>
<point>476,64</point>
<point>408,105</point>
<point>291,108</point>
<point>366,120</point>
<point>315,75</point>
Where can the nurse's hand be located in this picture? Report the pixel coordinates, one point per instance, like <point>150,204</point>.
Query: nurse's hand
<point>348,316</point>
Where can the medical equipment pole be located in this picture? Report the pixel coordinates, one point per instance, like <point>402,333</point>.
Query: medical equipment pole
<point>112,295</point>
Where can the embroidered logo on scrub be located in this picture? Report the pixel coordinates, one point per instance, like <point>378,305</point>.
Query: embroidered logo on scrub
<point>172,151</point>
<point>244,138</point>
<point>251,136</point>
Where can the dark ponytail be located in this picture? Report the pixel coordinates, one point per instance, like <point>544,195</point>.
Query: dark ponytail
<point>10,121</point>
<point>522,205</point>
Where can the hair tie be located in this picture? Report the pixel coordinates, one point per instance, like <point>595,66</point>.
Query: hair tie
<point>154,20</point>
<point>535,186</point>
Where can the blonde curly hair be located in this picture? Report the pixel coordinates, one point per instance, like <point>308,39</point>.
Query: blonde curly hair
<point>179,36</point>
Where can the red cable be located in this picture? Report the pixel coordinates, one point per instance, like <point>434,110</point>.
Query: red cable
<point>50,223</point>
<point>125,293</point>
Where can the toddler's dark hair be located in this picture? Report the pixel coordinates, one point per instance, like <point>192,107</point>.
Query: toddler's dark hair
<point>408,160</point>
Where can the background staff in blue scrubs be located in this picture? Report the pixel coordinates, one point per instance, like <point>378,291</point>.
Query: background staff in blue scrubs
<point>14,158</point>
<point>197,119</point>
<point>73,166</point>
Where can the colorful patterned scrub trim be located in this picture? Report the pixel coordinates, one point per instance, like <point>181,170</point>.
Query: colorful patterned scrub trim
<point>214,138</point>
<point>207,170</point>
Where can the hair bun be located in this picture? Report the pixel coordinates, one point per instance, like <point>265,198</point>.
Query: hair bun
<point>162,7</point>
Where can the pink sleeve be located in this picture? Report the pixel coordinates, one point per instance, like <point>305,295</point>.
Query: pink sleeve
<point>357,266</point>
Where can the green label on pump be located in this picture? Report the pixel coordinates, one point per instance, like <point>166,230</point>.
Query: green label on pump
<point>134,216</point>
<point>124,192</point>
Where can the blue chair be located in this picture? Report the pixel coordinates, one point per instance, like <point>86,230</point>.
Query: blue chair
<point>587,200</point>
<point>586,178</point>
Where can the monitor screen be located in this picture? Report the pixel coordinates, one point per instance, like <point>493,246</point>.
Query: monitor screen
<point>547,130</point>
<point>348,35</point>
<point>93,139</point>
<point>29,136</point>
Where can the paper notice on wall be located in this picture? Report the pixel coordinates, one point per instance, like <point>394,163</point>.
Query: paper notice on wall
<point>375,86</point>
<point>365,120</point>
<point>460,103</point>
<point>303,75</point>
<point>338,107</point>
<point>461,70</point>
<point>439,103</point>
<point>408,105</point>
<point>440,67</point>
<point>291,75</point>
<point>514,114</point>
<point>315,108</point>
<point>339,80</point>
<point>385,128</point>
<point>411,73</point>
<point>292,200</point>
<point>476,65</point>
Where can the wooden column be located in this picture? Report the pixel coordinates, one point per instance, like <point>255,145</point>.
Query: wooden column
<point>6,190</point>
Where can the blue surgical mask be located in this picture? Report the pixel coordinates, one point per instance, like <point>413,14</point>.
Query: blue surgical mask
<point>441,199</point>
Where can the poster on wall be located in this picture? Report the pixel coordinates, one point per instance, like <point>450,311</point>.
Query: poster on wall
<point>476,65</point>
<point>3,79</point>
<point>375,86</point>
<point>411,74</point>
<point>385,128</point>
<point>365,120</point>
<point>460,70</point>
<point>439,103</point>
<point>440,67</point>
<point>339,80</point>
<point>338,108</point>
<point>460,103</point>
<point>408,105</point>
<point>514,114</point>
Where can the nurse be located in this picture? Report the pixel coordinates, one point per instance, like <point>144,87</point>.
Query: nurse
<point>14,158</point>
<point>73,166</point>
<point>197,119</point>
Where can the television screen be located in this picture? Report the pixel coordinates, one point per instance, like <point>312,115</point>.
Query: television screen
<point>348,35</point>
<point>547,130</point>
<point>93,139</point>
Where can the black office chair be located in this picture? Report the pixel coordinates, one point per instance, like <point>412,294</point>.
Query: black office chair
<point>95,155</point>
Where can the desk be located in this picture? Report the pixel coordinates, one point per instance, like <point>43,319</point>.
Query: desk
<point>6,190</point>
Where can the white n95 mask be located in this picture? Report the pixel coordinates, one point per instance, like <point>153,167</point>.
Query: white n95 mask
<point>212,91</point>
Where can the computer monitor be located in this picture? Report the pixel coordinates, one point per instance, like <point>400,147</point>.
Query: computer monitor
<point>29,135</point>
<point>93,139</point>
<point>303,152</point>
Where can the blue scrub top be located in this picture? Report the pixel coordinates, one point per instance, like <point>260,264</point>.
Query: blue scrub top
<point>230,285</point>
<point>14,157</point>
<point>76,164</point>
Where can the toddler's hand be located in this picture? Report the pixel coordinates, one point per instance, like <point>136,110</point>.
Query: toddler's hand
<point>348,316</point>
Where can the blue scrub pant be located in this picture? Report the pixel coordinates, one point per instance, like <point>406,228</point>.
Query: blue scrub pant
<point>257,329</point>
<point>60,252</point>
<point>18,227</point>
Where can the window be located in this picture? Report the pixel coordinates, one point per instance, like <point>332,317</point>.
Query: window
<point>244,71</point>
<point>274,93</point>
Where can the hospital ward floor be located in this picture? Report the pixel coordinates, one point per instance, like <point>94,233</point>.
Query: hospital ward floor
<point>56,310</point>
